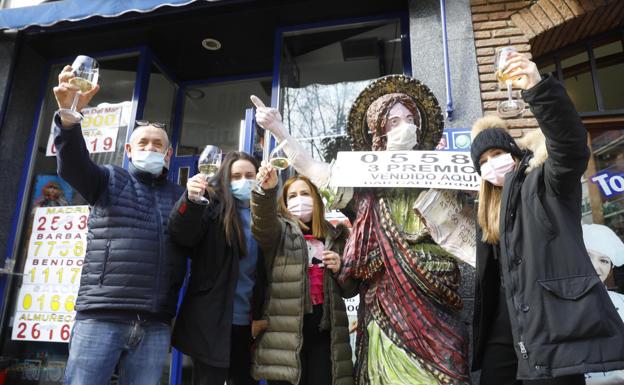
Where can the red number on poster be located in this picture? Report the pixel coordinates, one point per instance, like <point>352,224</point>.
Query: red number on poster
<point>42,221</point>
<point>108,143</point>
<point>65,332</point>
<point>22,329</point>
<point>54,225</point>
<point>68,225</point>
<point>94,143</point>
<point>83,222</point>
<point>35,331</point>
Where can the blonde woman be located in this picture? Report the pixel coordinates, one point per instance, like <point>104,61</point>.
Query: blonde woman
<point>541,313</point>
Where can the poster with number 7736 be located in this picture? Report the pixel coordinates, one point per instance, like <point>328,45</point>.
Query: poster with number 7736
<point>56,249</point>
<point>99,128</point>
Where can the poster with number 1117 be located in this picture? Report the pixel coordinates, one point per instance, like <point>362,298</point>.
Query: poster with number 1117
<point>56,249</point>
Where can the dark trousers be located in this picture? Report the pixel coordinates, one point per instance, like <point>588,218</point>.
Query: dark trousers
<point>239,372</point>
<point>315,354</point>
<point>500,361</point>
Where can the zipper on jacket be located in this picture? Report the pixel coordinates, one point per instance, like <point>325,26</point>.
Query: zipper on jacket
<point>106,251</point>
<point>160,262</point>
<point>523,351</point>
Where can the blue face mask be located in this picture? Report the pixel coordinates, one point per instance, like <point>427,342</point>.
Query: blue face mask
<point>149,161</point>
<point>241,189</point>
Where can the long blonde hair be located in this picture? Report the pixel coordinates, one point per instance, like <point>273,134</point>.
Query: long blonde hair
<point>488,212</point>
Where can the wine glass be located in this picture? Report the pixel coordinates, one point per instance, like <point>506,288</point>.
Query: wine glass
<point>86,72</point>
<point>208,165</point>
<point>509,107</point>
<point>278,158</point>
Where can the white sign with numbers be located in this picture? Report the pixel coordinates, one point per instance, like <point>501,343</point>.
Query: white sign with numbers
<point>99,128</point>
<point>423,169</point>
<point>56,249</point>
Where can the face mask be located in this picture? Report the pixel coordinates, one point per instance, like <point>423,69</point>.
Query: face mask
<point>402,138</point>
<point>149,161</point>
<point>495,169</point>
<point>301,207</point>
<point>241,189</point>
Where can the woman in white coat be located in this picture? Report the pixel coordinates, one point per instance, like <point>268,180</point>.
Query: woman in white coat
<point>605,249</point>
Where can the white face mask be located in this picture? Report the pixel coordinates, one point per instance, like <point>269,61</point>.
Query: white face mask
<point>301,207</point>
<point>495,169</point>
<point>149,161</point>
<point>402,137</point>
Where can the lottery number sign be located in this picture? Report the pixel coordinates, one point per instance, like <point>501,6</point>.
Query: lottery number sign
<point>99,129</point>
<point>423,169</point>
<point>56,249</point>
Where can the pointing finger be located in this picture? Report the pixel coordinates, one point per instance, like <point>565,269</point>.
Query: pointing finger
<point>256,101</point>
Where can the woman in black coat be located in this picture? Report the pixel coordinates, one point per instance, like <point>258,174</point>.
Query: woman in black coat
<point>541,312</point>
<point>227,281</point>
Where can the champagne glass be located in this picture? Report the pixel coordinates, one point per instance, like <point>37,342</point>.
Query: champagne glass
<point>208,165</point>
<point>278,158</point>
<point>86,72</point>
<point>509,107</point>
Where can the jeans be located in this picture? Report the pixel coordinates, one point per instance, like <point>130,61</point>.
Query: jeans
<point>138,348</point>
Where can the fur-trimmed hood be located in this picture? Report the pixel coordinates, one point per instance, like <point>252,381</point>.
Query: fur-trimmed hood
<point>534,141</point>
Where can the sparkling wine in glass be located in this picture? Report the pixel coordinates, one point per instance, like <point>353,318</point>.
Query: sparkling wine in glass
<point>278,158</point>
<point>509,107</point>
<point>208,165</point>
<point>86,72</point>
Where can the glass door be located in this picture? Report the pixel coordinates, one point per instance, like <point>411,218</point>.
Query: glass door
<point>321,71</point>
<point>216,112</point>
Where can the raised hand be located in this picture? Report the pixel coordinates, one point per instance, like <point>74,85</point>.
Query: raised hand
<point>268,118</point>
<point>267,177</point>
<point>196,186</point>
<point>523,70</point>
<point>64,92</point>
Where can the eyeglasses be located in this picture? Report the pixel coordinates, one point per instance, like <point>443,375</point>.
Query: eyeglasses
<point>148,123</point>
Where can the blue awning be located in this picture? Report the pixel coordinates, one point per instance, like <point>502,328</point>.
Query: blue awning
<point>48,14</point>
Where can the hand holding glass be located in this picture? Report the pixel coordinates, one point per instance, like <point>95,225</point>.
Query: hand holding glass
<point>86,73</point>
<point>208,165</point>
<point>509,107</point>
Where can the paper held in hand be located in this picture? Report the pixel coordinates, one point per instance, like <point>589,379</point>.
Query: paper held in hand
<point>420,169</point>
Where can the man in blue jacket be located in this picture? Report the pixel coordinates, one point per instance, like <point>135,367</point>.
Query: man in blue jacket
<point>132,272</point>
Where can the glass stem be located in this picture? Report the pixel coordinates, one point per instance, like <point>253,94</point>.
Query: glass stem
<point>75,101</point>
<point>509,91</point>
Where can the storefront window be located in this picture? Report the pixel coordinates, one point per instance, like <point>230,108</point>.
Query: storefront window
<point>322,72</point>
<point>215,112</point>
<point>40,302</point>
<point>610,71</point>
<point>160,101</point>
<point>593,74</point>
<point>603,194</point>
<point>578,81</point>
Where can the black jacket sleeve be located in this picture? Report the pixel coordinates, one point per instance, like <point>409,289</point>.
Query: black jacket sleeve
<point>186,224</point>
<point>566,137</point>
<point>74,164</point>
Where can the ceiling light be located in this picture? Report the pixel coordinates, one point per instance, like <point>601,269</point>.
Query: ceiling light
<point>211,44</point>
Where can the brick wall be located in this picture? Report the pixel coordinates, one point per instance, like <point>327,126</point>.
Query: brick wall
<point>534,27</point>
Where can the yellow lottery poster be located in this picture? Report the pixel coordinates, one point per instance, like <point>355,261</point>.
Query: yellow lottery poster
<point>56,249</point>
